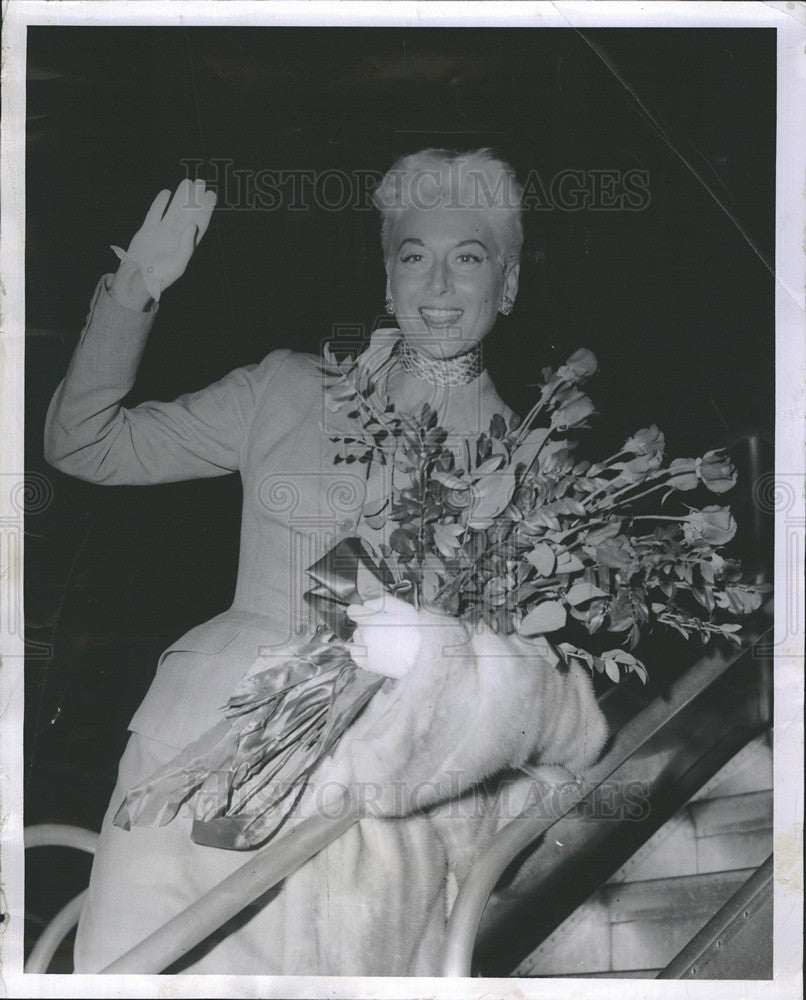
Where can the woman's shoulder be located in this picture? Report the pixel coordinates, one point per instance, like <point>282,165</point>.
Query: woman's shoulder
<point>310,367</point>
<point>290,363</point>
<point>288,368</point>
<point>287,386</point>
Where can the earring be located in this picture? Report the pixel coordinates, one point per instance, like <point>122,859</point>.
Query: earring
<point>506,307</point>
<point>390,306</point>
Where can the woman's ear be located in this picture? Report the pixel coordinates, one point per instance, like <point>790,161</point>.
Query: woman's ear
<point>390,305</point>
<point>510,290</point>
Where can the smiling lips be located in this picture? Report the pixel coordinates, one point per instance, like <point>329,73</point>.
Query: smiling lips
<point>441,317</point>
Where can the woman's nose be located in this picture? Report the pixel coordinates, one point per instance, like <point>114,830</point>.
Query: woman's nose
<point>440,277</point>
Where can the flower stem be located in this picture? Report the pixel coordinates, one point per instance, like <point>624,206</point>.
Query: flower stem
<point>459,580</point>
<point>615,500</point>
<point>657,517</point>
<point>525,425</point>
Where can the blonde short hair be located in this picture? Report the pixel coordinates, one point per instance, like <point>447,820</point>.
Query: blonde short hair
<point>475,180</point>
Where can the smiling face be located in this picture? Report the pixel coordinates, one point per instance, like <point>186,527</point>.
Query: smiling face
<point>446,279</point>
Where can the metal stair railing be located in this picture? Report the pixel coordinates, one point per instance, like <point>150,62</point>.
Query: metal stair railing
<point>261,872</point>
<point>535,822</point>
<point>730,945</point>
<point>269,866</point>
<point>57,835</point>
<point>264,869</point>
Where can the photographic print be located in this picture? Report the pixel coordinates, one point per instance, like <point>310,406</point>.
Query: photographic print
<point>402,487</point>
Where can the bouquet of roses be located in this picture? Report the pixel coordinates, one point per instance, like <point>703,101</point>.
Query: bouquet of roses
<point>509,530</point>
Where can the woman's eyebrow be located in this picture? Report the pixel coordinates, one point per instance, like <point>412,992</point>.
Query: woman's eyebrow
<point>464,243</point>
<point>468,242</point>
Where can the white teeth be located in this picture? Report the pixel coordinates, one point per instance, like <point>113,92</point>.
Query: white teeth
<point>441,315</point>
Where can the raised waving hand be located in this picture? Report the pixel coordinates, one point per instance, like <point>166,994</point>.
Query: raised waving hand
<point>162,247</point>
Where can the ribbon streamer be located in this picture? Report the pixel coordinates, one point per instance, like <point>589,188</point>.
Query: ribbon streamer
<point>244,775</point>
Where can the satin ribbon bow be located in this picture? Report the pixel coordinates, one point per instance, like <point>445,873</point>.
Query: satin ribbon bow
<point>345,575</point>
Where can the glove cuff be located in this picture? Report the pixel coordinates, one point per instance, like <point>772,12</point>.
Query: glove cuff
<point>151,278</point>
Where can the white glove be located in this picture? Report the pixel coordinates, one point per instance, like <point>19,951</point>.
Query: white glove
<point>164,243</point>
<point>390,633</point>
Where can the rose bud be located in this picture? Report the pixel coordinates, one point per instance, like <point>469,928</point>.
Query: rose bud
<point>717,471</point>
<point>714,525</point>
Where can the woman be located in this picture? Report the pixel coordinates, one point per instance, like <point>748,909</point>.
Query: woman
<point>375,901</point>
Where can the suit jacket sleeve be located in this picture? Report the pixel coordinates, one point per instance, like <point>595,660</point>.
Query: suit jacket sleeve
<point>88,434</point>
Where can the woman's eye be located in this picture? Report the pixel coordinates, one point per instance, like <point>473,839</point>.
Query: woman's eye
<point>412,258</point>
<point>468,259</point>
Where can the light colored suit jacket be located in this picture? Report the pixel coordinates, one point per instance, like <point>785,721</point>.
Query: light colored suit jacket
<point>263,421</point>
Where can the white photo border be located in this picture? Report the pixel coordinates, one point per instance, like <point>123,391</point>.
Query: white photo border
<point>789,19</point>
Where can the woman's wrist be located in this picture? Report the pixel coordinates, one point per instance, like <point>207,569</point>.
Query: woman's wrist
<point>128,288</point>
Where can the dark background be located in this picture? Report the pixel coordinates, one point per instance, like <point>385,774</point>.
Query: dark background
<point>672,299</point>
